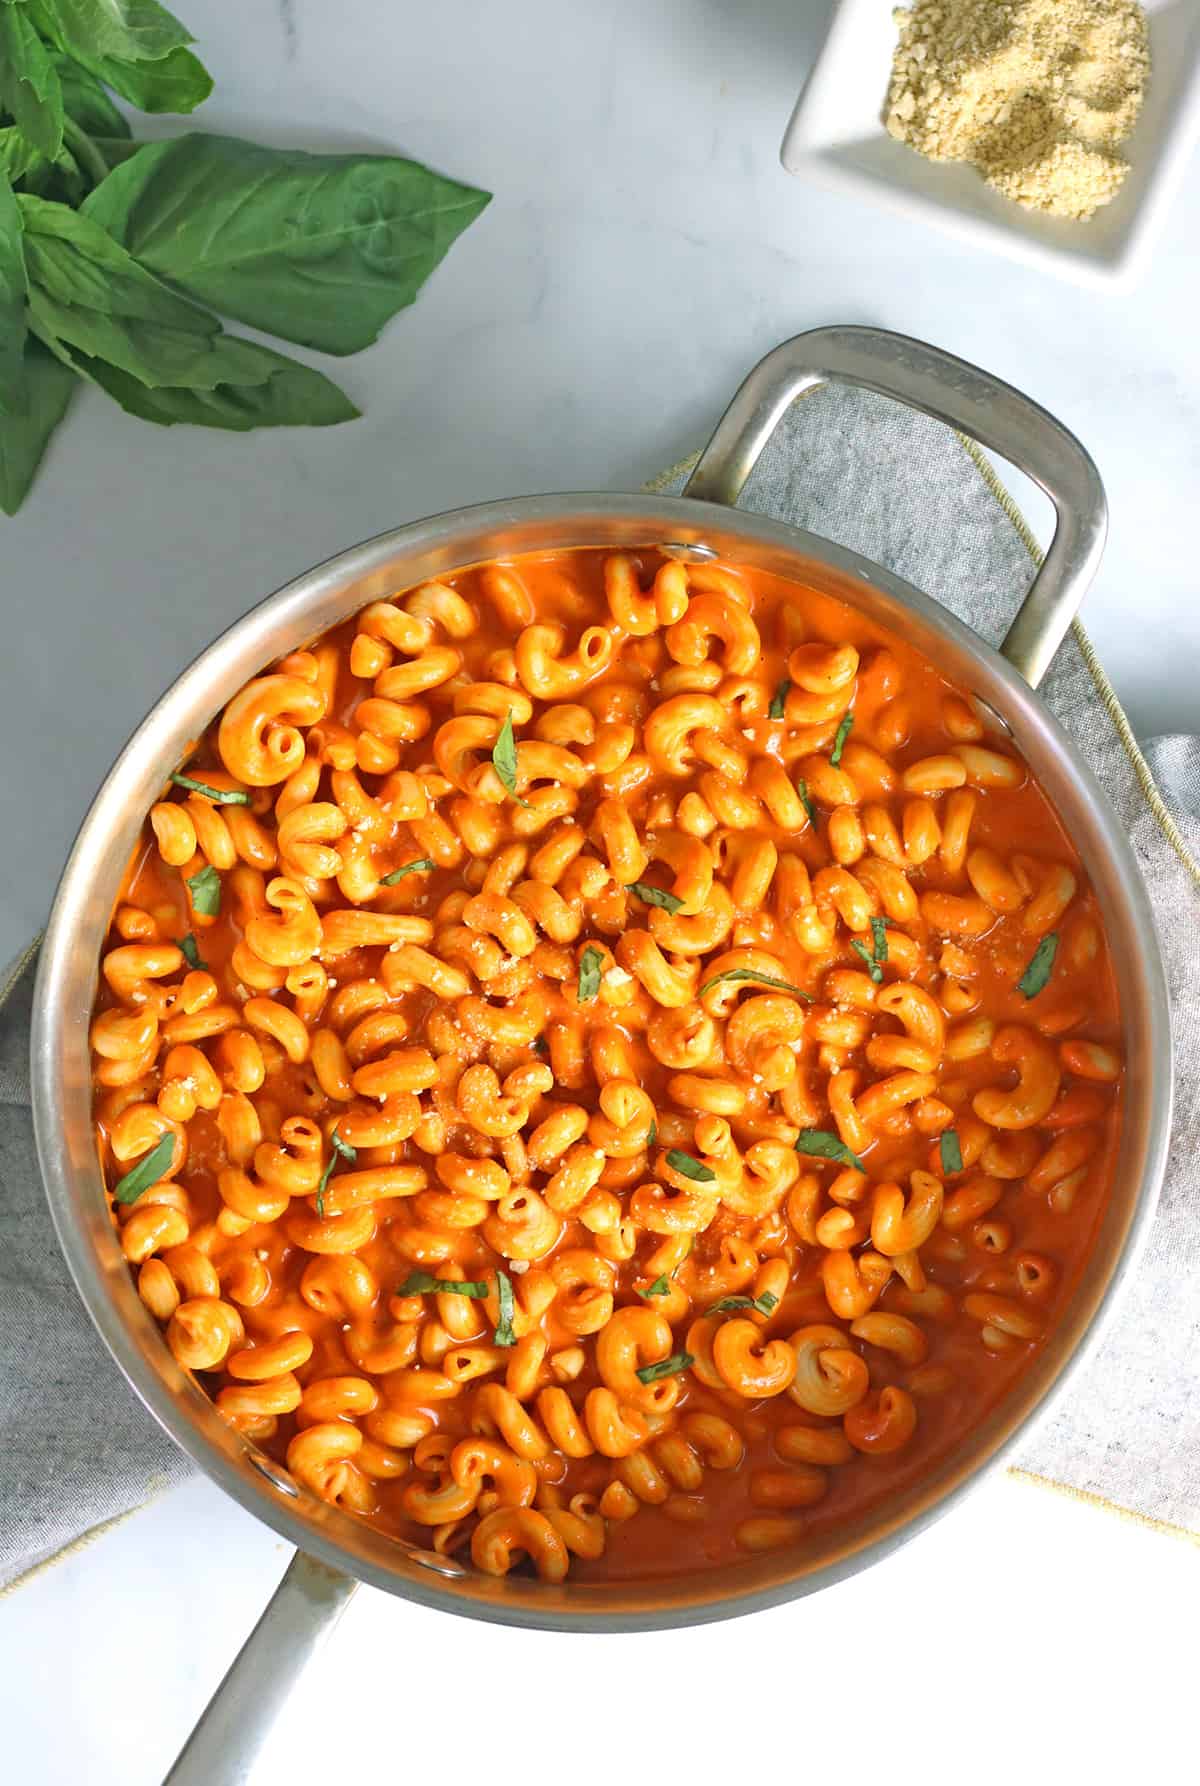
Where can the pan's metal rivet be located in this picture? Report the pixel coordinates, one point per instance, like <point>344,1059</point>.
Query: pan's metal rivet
<point>694,552</point>
<point>277,1477</point>
<point>987,713</point>
<point>439,1565</point>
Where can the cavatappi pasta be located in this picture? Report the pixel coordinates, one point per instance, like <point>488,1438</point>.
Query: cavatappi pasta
<point>603,1064</point>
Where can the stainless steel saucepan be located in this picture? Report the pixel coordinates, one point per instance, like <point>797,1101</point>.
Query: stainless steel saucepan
<point>335,1551</point>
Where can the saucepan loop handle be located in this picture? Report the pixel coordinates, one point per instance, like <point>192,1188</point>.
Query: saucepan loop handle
<point>955,392</point>
<point>241,1715</point>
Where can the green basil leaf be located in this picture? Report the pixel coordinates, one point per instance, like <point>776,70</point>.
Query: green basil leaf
<point>320,249</point>
<point>667,1367</point>
<point>85,291</point>
<point>879,939</point>
<point>824,1146</point>
<point>150,1168</point>
<point>843,732</point>
<point>135,30</point>
<point>691,1168</point>
<point>655,896</point>
<point>205,887</point>
<point>191,950</point>
<point>341,1149</point>
<point>14,395</point>
<point>504,1335</point>
<point>423,1283</point>
<point>85,100</point>
<point>652,1133</point>
<point>951,1151</point>
<point>778,707</point>
<point>23,439</point>
<point>590,963</point>
<point>873,967</point>
<point>805,801</point>
<point>176,83</point>
<point>290,396</point>
<point>752,973</point>
<point>1041,965</point>
<point>660,1287</point>
<point>504,759</point>
<point>218,796</point>
<point>18,155</point>
<point>29,86</point>
<point>348,1153</point>
<point>422,865</point>
<point>766,1304</point>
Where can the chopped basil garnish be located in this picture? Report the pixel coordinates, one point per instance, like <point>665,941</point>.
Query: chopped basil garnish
<point>752,973</point>
<point>205,888</point>
<point>806,803</point>
<point>222,796</point>
<point>669,1367</point>
<point>590,963</point>
<point>765,1304</point>
<point>148,1171</point>
<point>423,1283</point>
<point>873,967</point>
<point>421,865</point>
<point>951,1151</point>
<point>879,937</point>
<point>191,950</point>
<point>341,1149</point>
<point>779,700</point>
<point>652,1134</point>
<point>1040,966</point>
<point>824,1146</point>
<point>504,759</point>
<point>660,1287</point>
<point>655,896</point>
<point>694,1169</point>
<point>843,732</point>
<point>504,1335</point>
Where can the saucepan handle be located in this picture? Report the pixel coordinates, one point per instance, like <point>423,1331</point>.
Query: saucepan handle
<point>239,1718</point>
<point>952,391</point>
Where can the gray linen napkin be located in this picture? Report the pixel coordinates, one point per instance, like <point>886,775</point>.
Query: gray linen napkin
<point>77,1449</point>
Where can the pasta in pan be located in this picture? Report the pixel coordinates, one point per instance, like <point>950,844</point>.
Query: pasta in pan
<point>605,1064</point>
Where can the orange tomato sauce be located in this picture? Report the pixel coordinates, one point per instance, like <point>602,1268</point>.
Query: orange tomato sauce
<point>599,1070</point>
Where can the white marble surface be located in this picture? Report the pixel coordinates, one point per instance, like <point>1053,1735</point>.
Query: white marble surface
<point>644,247</point>
<point>1024,1639</point>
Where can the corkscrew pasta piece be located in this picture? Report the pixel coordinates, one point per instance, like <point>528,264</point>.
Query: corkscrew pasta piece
<point>604,1064</point>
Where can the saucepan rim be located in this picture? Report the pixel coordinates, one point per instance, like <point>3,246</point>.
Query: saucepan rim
<point>67,976</point>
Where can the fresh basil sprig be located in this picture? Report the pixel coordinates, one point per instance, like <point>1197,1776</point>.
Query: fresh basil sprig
<point>219,796</point>
<point>191,950</point>
<point>655,896</point>
<point>590,964</point>
<point>752,973</point>
<point>505,1334</point>
<point>766,1304</point>
<point>423,1283</point>
<point>1041,965</point>
<point>840,737</point>
<point>660,1287</point>
<point>666,1367</point>
<point>504,760</point>
<point>112,247</point>
<point>690,1168</point>
<point>778,707</point>
<point>822,1145</point>
<point>422,865</point>
<point>205,889</point>
<point>950,1149</point>
<point>149,1169</point>
<point>341,1150</point>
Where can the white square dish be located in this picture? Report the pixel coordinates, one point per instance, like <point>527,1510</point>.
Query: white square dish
<point>837,136</point>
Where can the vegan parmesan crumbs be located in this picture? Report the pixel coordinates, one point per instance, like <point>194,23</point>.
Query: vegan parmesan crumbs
<point>1036,94</point>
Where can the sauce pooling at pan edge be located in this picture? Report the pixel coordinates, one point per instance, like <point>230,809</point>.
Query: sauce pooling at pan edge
<point>603,1065</point>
